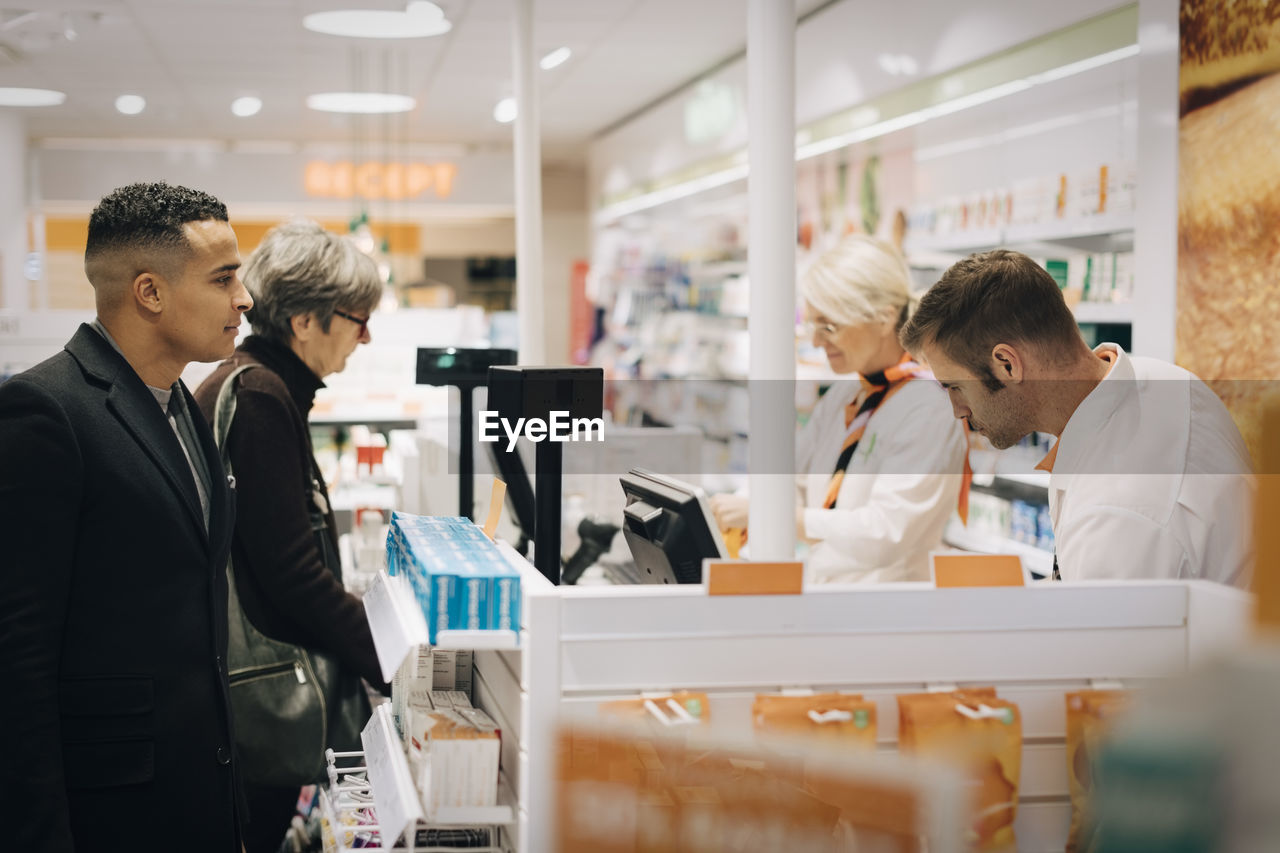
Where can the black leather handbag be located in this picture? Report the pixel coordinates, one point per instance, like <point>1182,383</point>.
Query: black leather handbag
<point>289,702</point>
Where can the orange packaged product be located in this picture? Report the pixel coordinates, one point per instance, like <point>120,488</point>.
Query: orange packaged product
<point>906,732</point>
<point>845,717</point>
<point>1090,714</point>
<point>982,735</point>
<point>672,708</point>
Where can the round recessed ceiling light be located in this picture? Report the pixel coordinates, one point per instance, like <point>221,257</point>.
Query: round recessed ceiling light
<point>556,57</point>
<point>898,63</point>
<point>18,97</point>
<point>505,111</point>
<point>420,19</point>
<point>131,105</point>
<point>246,106</point>
<point>424,10</point>
<point>360,102</point>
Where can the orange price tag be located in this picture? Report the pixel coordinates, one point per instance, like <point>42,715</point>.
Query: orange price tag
<point>743,577</point>
<point>955,570</point>
<point>496,498</point>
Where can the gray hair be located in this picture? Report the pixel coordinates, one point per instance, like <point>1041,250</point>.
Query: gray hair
<point>861,280</point>
<point>300,268</point>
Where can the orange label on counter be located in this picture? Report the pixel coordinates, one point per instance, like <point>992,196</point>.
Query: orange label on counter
<point>956,570</point>
<point>753,578</point>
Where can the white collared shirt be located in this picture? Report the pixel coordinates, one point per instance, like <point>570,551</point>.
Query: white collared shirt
<point>1151,479</point>
<point>898,492</point>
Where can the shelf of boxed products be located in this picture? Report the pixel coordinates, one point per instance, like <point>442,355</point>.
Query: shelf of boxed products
<point>447,585</point>
<point>1038,561</point>
<point>1102,233</point>
<point>1088,208</point>
<point>372,797</point>
<point>398,625</point>
<point>1009,505</point>
<point>349,821</point>
<point>1113,231</point>
<point>396,796</point>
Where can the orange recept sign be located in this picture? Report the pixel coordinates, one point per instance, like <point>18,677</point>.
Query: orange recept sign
<point>376,179</point>
<point>953,570</point>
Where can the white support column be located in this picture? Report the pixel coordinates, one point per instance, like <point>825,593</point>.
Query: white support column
<point>530,302</point>
<point>14,292</point>
<point>772,268</point>
<point>1155,244</point>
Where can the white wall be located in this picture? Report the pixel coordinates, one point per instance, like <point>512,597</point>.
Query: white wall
<point>13,211</point>
<point>836,69</point>
<point>1080,122</point>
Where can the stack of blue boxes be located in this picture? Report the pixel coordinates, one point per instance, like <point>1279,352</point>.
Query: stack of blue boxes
<point>1031,524</point>
<point>460,579</point>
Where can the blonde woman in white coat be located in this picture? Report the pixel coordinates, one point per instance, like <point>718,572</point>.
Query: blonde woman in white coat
<point>881,462</point>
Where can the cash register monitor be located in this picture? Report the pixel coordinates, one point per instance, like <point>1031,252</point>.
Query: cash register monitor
<point>669,527</point>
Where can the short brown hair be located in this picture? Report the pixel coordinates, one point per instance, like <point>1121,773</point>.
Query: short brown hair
<point>989,298</point>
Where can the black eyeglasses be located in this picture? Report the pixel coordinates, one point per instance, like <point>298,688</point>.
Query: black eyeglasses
<point>362,322</point>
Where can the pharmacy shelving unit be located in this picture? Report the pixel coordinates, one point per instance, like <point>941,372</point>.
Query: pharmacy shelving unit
<point>350,810</point>
<point>583,646</point>
<point>580,646</point>
<point>1097,233</point>
<point>1010,480</point>
<point>384,779</point>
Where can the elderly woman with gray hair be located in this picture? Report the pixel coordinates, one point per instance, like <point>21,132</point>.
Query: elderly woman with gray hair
<point>313,292</point>
<point>880,462</point>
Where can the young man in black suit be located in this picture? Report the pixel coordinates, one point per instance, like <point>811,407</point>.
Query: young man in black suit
<point>116,519</point>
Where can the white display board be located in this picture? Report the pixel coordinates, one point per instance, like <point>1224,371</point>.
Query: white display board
<point>583,646</point>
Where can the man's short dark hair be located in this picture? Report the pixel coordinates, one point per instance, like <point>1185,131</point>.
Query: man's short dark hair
<point>148,216</point>
<point>989,298</point>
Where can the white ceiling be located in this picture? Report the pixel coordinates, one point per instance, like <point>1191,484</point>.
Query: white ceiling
<point>191,58</point>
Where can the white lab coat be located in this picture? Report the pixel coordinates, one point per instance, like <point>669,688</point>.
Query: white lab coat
<point>1151,479</point>
<point>898,492</point>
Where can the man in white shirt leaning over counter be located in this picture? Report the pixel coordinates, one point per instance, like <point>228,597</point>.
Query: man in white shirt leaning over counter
<point>1149,478</point>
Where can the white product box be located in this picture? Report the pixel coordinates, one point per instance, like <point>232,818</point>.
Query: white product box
<point>454,759</point>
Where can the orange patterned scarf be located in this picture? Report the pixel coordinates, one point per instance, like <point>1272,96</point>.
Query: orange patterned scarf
<point>878,387</point>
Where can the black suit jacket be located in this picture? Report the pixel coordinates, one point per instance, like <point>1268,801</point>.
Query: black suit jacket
<point>113,622</point>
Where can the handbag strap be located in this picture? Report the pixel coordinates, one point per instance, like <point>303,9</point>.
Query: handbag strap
<point>224,410</point>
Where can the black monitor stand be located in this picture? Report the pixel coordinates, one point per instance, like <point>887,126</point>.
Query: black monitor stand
<point>466,370</point>
<point>536,392</point>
